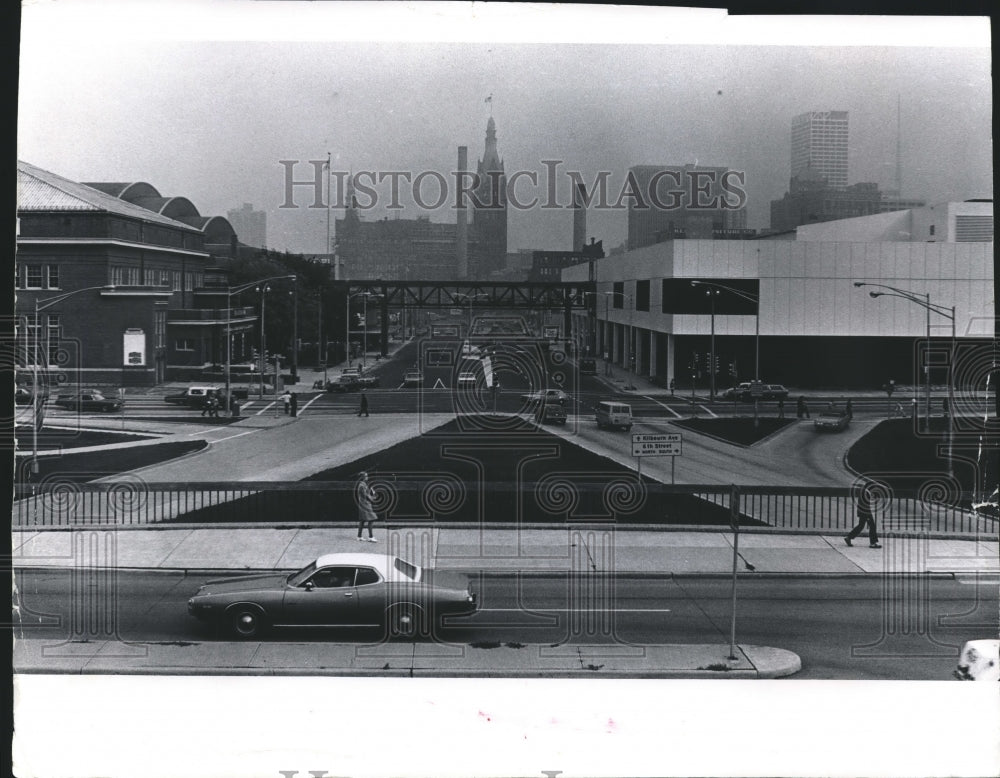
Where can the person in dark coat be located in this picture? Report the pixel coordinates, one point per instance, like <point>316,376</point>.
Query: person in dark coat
<point>866,518</point>
<point>293,404</point>
<point>363,410</point>
<point>801,409</point>
<point>364,496</point>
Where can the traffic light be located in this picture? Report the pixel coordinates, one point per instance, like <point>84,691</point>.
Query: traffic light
<point>732,368</point>
<point>715,366</point>
<point>694,360</point>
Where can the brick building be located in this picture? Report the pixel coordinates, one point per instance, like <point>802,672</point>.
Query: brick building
<point>128,282</point>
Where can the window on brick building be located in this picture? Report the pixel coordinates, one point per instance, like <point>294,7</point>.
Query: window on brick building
<point>184,344</point>
<point>33,276</point>
<point>176,280</point>
<point>618,295</point>
<point>53,276</point>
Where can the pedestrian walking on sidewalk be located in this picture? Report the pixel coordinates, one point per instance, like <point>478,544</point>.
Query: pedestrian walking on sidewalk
<point>867,500</point>
<point>673,386</point>
<point>363,410</point>
<point>850,410</point>
<point>293,404</point>
<point>801,409</point>
<point>781,408</point>
<point>364,496</point>
<point>286,400</point>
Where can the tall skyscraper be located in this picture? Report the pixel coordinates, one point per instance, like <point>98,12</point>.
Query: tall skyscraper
<point>819,142</point>
<point>250,225</point>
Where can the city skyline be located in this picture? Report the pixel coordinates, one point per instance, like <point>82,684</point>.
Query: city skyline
<point>595,108</point>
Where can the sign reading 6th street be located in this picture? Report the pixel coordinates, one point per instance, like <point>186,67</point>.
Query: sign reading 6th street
<point>656,444</point>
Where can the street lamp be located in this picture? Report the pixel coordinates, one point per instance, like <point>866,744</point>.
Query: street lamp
<point>924,301</point>
<point>41,305</point>
<point>364,343</point>
<point>712,294</point>
<point>750,297</point>
<point>230,291</point>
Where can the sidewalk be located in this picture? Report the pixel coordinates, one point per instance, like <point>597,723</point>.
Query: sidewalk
<point>578,550</point>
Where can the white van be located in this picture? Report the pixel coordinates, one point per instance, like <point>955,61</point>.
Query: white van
<point>614,414</point>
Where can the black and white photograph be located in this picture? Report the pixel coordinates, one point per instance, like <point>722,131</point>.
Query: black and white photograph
<point>503,389</point>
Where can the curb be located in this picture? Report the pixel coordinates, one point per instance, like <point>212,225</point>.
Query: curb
<point>743,575</point>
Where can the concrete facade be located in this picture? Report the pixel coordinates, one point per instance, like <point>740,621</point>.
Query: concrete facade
<point>816,327</point>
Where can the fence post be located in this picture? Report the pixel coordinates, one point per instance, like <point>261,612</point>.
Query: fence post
<point>734,521</point>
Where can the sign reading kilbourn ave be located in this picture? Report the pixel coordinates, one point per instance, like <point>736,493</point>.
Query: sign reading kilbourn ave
<point>656,445</point>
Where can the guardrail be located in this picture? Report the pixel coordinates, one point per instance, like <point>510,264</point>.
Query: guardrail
<point>570,498</point>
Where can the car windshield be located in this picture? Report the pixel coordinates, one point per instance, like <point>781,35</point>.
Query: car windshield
<point>296,579</point>
<point>410,571</point>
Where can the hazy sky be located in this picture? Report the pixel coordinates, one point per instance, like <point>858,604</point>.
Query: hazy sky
<point>210,119</point>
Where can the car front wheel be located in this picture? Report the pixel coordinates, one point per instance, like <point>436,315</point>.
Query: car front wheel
<point>245,621</point>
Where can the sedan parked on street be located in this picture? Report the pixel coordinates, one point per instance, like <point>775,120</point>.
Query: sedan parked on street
<point>413,378</point>
<point>88,401</point>
<point>337,590</point>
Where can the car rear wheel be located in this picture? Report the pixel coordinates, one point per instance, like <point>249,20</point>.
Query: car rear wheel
<point>246,621</point>
<point>407,621</point>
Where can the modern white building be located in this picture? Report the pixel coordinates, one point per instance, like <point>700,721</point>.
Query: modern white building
<point>816,328</point>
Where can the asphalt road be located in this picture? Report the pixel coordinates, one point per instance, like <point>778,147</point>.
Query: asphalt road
<point>841,628</point>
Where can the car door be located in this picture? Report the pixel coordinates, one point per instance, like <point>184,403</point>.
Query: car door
<point>327,597</point>
<point>372,594</point>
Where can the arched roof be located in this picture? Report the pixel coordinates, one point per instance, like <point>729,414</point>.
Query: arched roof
<point>216,229</point>
<point>176,207</point>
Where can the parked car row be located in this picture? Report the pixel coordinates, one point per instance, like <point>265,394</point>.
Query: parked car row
<point>750,390</point>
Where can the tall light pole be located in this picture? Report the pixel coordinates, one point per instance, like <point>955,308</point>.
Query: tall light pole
<point>263,289</point>
<point>364,335</point>
<point>41,305</point>
<point>295,330</point>
<point>749,297</point>
<point>712,294</point>
<point>924,301</point>
<point>230,291</point>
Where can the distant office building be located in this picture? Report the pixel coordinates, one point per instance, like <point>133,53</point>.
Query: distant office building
<point>811,199</point>
<point>666,206</point>
<point>819,142</point>
<point>421,250</point>
<point>250,225</point>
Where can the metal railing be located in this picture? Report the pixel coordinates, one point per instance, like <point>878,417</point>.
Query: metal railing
<point>434,498</point>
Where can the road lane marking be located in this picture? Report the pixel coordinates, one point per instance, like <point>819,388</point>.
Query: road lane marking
<point>314,399</point>
<point>237,435</point>
<point>265,408</point>
<point>571,610</point>
<point>662,405</point>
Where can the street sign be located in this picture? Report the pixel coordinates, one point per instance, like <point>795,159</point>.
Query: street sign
<point>656,444</point>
